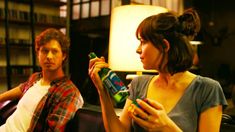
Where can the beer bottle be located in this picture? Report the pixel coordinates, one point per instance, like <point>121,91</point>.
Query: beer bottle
<point>116,88</point>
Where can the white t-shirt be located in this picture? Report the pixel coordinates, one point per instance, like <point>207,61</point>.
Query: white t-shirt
<point>19,121</point>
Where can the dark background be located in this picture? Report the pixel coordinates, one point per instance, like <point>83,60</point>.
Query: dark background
<point>216,54</point>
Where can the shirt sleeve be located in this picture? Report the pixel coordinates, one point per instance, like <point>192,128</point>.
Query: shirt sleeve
<point>139,86</point>
<point>132,87</point>
<point>212,95</point>
<point>32,79</point>
<point>64,111</point>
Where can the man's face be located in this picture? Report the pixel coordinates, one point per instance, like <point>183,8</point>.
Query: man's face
<point>50,56</point>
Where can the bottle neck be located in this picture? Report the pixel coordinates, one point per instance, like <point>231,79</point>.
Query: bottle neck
<point>103,72</point>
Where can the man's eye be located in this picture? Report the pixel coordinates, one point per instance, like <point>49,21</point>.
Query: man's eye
<point>44,51</point>
<point>54,51</point>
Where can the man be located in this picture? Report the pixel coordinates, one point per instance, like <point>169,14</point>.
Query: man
<point>48,99</point>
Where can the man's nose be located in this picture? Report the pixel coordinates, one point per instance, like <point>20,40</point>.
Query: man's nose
<point>49,54</point>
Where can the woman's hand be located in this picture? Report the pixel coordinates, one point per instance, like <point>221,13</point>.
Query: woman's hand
<point>151,116</point>
<point>95,65</point>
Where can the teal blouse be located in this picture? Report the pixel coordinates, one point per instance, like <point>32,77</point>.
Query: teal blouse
<point>201,94</point>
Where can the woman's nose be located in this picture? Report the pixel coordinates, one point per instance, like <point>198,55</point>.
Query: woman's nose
<point>138,50</point>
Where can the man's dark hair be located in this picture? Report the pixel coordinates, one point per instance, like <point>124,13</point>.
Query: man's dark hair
<point>53,34</point>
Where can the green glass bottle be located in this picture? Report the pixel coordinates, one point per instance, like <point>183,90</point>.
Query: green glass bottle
<point>112,83</point>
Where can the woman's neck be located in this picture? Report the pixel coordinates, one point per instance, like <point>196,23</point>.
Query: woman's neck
<point>166,79</point>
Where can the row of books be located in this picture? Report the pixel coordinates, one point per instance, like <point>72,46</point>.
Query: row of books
<point>24,16</point>
<point>15,41</point>
<point>21,71</point>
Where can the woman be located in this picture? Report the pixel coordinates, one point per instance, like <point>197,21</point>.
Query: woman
<point>174,100</point>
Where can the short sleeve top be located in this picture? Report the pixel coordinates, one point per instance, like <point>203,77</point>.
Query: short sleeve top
<point>201,94</point>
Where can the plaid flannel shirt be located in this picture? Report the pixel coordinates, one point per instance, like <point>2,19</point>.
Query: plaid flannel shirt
<point>57,107</point>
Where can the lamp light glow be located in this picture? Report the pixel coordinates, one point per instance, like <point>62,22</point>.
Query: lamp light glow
<point>122,40</point>
<point>195,42</point>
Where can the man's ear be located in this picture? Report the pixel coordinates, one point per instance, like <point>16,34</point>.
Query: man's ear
<point>166,45</point>
<point>64,56</point>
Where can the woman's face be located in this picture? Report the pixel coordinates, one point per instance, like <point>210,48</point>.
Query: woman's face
<point>150,56</point>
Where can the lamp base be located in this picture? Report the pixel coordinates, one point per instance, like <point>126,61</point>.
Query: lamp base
<point>131,76</point>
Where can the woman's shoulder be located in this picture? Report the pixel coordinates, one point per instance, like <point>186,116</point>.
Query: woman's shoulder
<point>207,81</point>
<point>138,86</point>
<point>208,91</point>
<point>141,81</point>
<point>143,78</point>
<point>205,85</point>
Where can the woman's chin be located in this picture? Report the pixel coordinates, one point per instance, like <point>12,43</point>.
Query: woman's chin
<point>147,68</point>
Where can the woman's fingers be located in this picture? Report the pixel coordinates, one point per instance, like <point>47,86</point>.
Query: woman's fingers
<point>149,114</point>
<point>102,58</point>
<point>134,110</point>
<point>150,105</point>
<point>141,117</point>
<point>97,64</point>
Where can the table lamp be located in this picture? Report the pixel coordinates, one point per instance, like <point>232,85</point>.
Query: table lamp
<point>123,43</point>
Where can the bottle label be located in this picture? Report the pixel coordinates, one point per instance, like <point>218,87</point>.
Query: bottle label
<point>113,83</point>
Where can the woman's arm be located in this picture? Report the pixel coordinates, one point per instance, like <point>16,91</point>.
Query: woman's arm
<point>210,119</point>
<point>111,120</point>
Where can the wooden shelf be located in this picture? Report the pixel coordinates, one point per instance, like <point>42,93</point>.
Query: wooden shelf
<point>21,70</point>
<point>16,45</point>
<point>18,50</point>
<point>57,24</point>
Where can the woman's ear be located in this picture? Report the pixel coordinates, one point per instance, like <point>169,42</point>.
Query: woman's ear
<point>166,45</point>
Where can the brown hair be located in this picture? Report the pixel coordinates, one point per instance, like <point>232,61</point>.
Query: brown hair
<point>177,31</point>
<point>52,34</point>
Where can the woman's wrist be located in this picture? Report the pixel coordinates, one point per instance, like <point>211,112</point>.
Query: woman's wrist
<point>172,127</point>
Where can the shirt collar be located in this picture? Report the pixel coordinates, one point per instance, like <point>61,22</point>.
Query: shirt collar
<point>56,81</point>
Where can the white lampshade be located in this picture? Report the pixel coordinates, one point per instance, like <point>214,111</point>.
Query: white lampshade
<point>122,40</point>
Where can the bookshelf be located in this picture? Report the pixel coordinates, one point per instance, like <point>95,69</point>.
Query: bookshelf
<point>20,22</point>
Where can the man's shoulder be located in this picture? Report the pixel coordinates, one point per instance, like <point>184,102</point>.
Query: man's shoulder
<point>36,75</point>
<point>67,84</point>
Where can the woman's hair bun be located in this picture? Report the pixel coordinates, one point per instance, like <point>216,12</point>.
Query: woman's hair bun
<point>189,23</point>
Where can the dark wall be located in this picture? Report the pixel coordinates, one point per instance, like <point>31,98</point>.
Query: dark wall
<point>81,46</point>
<point>218,34</point>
